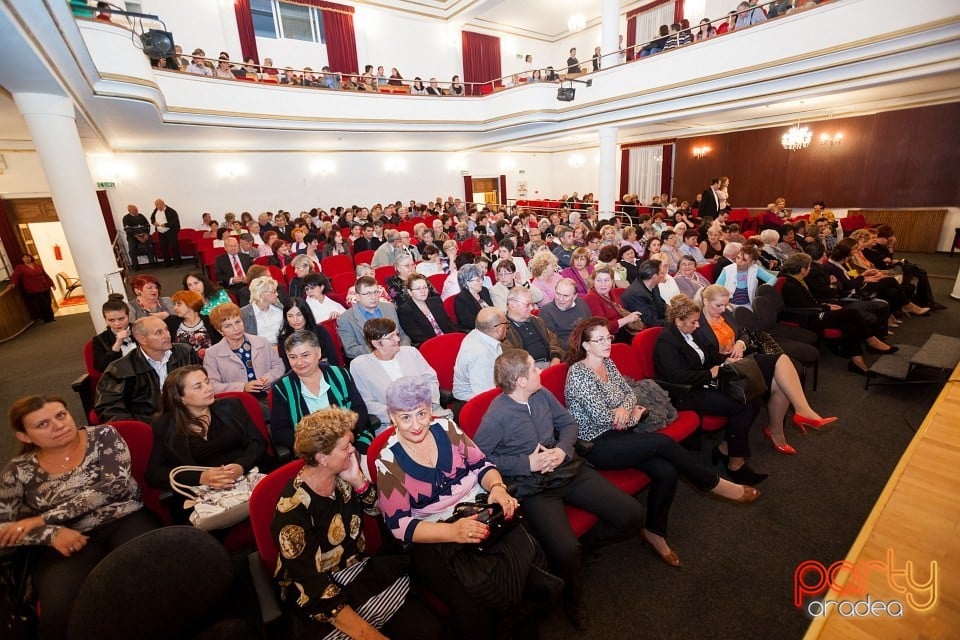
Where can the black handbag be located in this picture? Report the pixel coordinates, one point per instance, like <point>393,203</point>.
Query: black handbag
<point>762,342</point>
<point>490,514</point>
<point>741,380</point>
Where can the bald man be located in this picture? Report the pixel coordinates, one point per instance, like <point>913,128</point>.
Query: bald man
<point>167,222</point>
<point>473,370</point>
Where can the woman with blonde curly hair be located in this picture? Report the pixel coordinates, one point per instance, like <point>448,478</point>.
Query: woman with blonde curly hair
<point>322,565</point>
<point>543,268</point>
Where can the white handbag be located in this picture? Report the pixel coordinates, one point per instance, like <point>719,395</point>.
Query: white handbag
<point>216,508</point>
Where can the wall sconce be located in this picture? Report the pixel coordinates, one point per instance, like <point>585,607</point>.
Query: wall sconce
<point>231,170</point>
<point>576,161</point>
<point>827,139</point>
<point>323,167</point>
<point>700,152</point>
<point>395,165</point>
<point>576,23</point>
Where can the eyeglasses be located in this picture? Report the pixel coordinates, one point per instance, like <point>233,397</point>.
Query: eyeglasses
<point>607,339</point>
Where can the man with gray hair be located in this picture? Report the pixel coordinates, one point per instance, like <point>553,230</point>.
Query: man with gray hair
<point>566,310</point>
<point>388,252</point>
<point>528,332</point>
<point>130,386</point>
<point>473,369</point>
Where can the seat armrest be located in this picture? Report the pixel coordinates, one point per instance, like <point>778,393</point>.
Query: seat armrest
<point>677,392</point>
<point>83,387</point>
<point>263,585</point>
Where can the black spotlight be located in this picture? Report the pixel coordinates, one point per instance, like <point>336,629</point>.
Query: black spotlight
<point>566,94</point>
<point>157,44</point>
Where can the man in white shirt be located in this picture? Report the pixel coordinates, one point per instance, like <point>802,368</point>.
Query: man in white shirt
<point>473,370</point>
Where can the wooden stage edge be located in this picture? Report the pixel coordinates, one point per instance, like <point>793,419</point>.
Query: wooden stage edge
<point>901,578</point>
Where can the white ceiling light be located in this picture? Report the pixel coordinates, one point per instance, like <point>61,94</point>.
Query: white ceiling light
<point>576,161</point>
<point>576,23</point>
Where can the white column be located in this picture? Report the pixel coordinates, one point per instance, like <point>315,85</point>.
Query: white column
<point>50,119</point>
<point>608,172</point>
<point>610,32</point>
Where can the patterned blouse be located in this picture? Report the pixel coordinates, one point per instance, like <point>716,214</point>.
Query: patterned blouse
<point>99,491</point>
<point>410,492</point>
<point>592,401</point>
<point>322,551</point>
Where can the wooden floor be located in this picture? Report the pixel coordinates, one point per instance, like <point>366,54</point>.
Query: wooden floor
<point>913,533</point>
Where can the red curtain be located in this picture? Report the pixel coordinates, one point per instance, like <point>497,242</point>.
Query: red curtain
<point>677,17</point>
<point>503,190</point>
<point>107,213</point>
<point>631,36</point>
<point>666,170</point>
<point>481,60</point>
<point>248,39</point>
<point>468,189</point>
<point>339,34</point>
<point>624,171</point>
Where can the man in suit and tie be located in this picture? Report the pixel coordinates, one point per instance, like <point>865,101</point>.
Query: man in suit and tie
<point>709,200</point>
<point>167,223</point>
<point>230,269</point>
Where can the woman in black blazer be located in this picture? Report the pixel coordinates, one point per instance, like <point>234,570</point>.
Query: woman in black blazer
<point>198,430</point>
<point>679,359</point>
<point>473,296</point>
<point>414,311</point>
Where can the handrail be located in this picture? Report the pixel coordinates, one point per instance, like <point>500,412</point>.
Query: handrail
<point>289,76</point>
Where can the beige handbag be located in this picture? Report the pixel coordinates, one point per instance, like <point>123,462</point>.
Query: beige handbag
<point>216,508</point>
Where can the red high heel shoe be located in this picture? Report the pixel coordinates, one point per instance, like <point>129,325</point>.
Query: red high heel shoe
<point>802,423</point>
<point>785,449</point>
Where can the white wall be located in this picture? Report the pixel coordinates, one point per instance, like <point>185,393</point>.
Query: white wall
<point>45,236</point>
<point>24,176</point>
<point>210,25</point>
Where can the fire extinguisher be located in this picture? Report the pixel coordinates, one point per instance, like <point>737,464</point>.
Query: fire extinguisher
<point>57,253</point>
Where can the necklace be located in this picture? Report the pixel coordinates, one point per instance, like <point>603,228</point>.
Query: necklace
<point>425,453</point>
<point>65,461</point>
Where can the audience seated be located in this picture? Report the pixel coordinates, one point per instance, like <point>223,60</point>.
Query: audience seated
<point>187,326</point>
<point>116,340</point>
<point>241,361</point>
<point>623,324</point>
<point>473,369</point>
<point>387,361</point>
<point>566,310</point>
<point>473,296</point>
<point>526,331</point>
<point>421,314</point>
<point>196,429</point>
<point>69,494</point>
<point>311,385</point>
<point>130,386</point>
<point>350,323</point>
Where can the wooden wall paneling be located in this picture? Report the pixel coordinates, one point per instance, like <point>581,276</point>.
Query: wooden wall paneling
<point>912,226</point>
<point>896,159</point>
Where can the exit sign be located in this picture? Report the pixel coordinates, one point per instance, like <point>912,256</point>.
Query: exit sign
<point>106,185</point>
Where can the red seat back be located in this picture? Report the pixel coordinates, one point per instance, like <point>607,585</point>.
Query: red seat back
<point>341,282</point>
<point>252,407</point>
<point>263,504</point>
<point>473,411</point>
<point>382,273</point>
<point>331,326</point>
<point>139,438</point>
<point>441,354</point>
<point>263,261</point>
<point>554,379</point>
<point>277,274</point>
<point>88,363</point>
<point>707,270</point>
<point>616,294</point>
<point>626,360</point>
<point>780,281</point>
<point>449,308</point>
<point>337,264</point>
<point>642,345</point>
<point>373,451</point>
<point>363,257</point>
<point>437,280</point>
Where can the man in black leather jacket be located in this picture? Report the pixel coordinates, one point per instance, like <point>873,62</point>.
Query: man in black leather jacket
<point>130,387</point>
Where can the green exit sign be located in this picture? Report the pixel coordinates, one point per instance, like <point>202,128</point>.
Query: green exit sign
<point>106,185</point>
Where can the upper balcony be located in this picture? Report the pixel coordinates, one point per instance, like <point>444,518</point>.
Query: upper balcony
<point>866,56</point>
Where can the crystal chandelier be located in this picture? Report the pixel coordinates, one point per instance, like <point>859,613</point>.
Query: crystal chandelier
<point>576,23</point>
<point>796,138</point>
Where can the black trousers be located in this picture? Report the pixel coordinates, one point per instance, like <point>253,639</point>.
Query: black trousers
<point>739,417</point>
<point>39,305</point>
<point>854,328</point>
<point>471,620</point>
<point>658,456</point>
<point>58,578</point>
<point>170,247</point>
<point>548,521</point>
